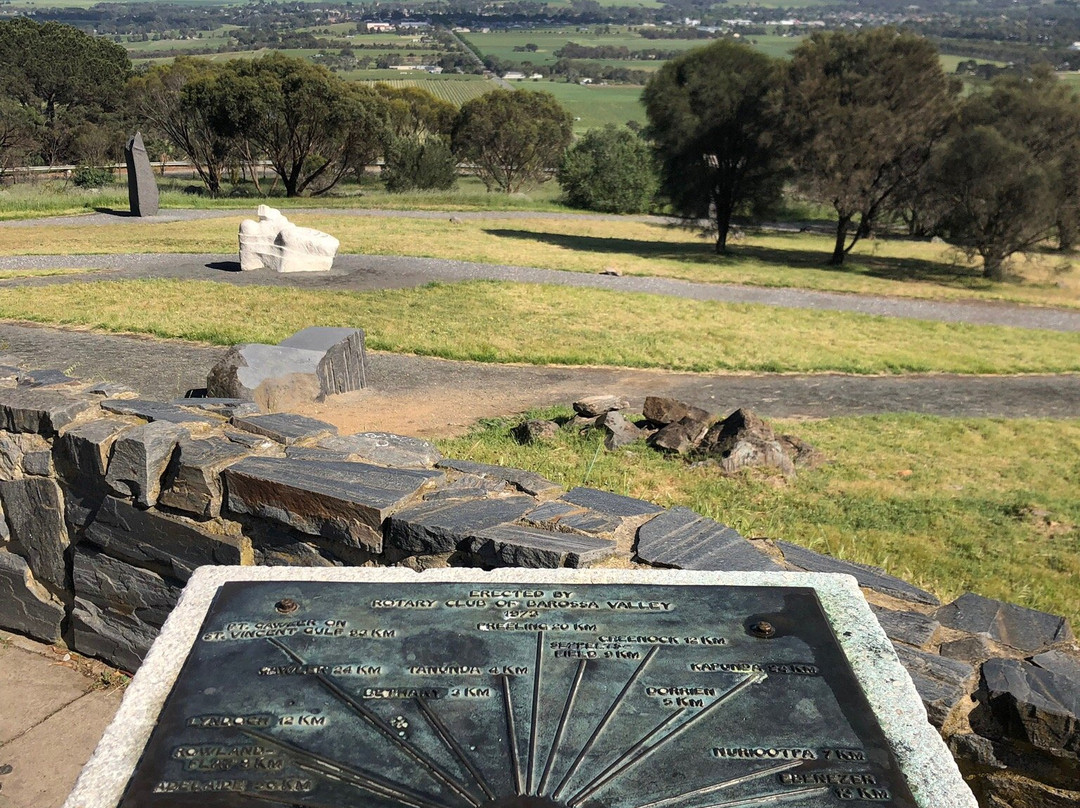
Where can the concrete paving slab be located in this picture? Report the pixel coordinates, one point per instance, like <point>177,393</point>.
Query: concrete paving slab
<point>46,760</point>
<point>32,687</point>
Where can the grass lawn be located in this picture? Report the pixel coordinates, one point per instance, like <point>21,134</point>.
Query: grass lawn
<point>883,266</point>
<point>505,322</point>
<point>949,504</point>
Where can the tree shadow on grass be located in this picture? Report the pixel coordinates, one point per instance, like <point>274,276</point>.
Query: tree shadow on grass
<point>893,268</point>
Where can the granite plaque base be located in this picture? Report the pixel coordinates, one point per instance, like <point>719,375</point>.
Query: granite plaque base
<point>517,689</point>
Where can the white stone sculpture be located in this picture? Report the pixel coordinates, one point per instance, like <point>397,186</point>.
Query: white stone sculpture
<point>276,243</point>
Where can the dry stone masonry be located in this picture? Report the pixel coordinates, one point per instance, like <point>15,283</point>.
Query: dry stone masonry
<point>110,502</point>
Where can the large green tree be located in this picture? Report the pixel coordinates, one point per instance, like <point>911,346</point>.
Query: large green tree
<point>864,110</point>
<point>514,138</point>
<point>74,81</point>
<point>714,119</point>
<point>1008,176</point>
<point>312,126</point>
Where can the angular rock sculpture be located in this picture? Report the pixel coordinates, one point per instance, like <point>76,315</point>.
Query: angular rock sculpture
<point>275,243</point>
<point>311,364</point>
<point>142,188</point>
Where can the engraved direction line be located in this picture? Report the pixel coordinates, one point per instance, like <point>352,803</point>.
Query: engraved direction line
<point>348,774</point>
<point>448,739</point>
<point>291,801</point>
<point>534,730</point>
<point>364,712</point>
<point>734,781</point>
<point>601,779</point>
<point>611,710</point>
<point>511,731</point>
<point>605,778</point>
<point>564,719</point>
<point>768,798</point>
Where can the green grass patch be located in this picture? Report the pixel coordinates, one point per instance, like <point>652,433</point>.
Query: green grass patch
<point>949,504</point>
<point>505,322</point>
<point>898,267</point>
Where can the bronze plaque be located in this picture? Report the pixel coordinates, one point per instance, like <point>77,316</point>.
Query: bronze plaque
<point>469,695</point>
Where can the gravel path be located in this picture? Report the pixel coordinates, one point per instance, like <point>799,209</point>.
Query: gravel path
<point>164,369</point>
<point>369,272</point>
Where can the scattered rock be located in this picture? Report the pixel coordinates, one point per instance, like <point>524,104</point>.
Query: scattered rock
<point>619,431</point>
<point>1016,626</point>
<point>743,440</point>
<point>535,430</point>
<point>592,406</point>
<point>663,411</point>
<point>682,436</point>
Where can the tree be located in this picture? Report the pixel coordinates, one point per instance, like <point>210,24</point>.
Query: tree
<point>416,112</point>
<point>313,126</point>
<point>864,110</point>
<point>414,163</point>
<point>609,170</point>
<point>18,125</point>
<point>70,78</point>
<point>713,116</point>
<point>514,138</point>
<point>1008,175</point>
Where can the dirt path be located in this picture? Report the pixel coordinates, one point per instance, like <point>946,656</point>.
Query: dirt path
<point>434,397</point>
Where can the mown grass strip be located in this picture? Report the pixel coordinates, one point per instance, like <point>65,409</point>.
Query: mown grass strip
<point>949,504</point>
<point>896,267</point>
<point>535,324</point>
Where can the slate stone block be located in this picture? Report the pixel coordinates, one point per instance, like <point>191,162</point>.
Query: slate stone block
<point>345,502</point>
<point>682,539</point>
<point>273,377</point>
<point>258,443</point>
<point>972,650</point>
<point>1035,705</point>
<point>907,627</point>
<point>429,528</point>
<point>45,378</point>
<point>613,504</point>
<point>109,390</point>
<point>548,514</point>
<point>38,464</point>
<point>283,550</point>
<point>1058,662</point>
<point>25,606</point>
<point>592,406</point>
<point>35,514</point>
<point>525,481</point>
<point>940,682</point>
<point>173,548</point>
<point>516,546</point>
<point>871,577</point>
<point>468,486</point>
<point>343,366</point>
<point>193,478</point>
<point>158,411</point>
<point>118,608</point>
<point>590,522</point>
<point>385,449</point>
<point>139,459</point>
<point>82,452</point>
<point>225,407</point>
<point>285,428</point>
<point>1024,629</point>
<point>143,196</point>
<point>42,411</point>
<point>14,448</point>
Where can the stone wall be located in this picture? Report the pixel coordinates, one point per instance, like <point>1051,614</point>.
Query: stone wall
<point>110,502</point>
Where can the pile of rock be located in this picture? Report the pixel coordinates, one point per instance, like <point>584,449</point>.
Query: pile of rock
<point>308,366</point>
<point>741,440</point>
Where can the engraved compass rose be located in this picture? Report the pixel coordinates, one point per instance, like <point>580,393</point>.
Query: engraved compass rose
<point>451,711</point>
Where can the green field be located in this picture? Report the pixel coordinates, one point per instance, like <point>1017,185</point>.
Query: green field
<point>501,44</point>
<point>456,92</point>
<point>595,105</point>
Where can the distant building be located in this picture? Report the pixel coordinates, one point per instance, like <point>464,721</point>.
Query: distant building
<point>379,26</point>
<point>513,75</point>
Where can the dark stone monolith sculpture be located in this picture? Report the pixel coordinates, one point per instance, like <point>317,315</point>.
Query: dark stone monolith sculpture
<point>142,188</point>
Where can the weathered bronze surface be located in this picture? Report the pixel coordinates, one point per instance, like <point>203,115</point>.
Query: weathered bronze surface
<point>458,695</point>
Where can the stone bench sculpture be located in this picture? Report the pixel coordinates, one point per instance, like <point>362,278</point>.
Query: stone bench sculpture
<point>275,243</point>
